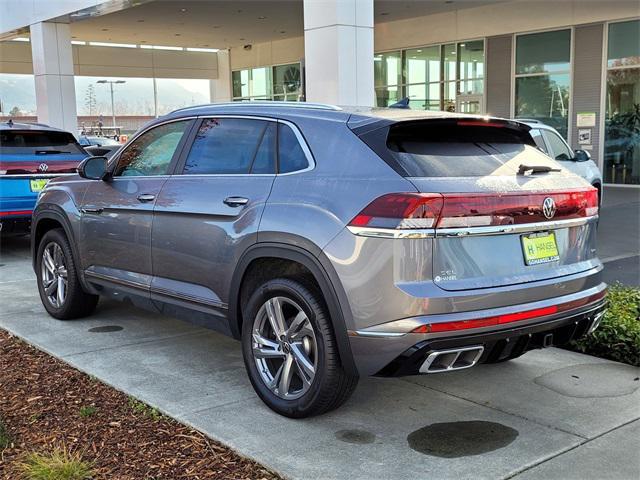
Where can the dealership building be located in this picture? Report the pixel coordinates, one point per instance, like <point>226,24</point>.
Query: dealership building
<point>571,64</point>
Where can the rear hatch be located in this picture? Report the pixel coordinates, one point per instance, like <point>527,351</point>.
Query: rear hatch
<point>29,158</point>
<point>500,211</point>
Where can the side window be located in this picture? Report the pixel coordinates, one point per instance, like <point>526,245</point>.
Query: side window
<point>232,146</point>
<point>537,137</point>
<point>151,153</point>
<point>559,149</point>
<point>290,154</point>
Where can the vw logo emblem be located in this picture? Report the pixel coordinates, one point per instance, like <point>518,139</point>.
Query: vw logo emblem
<point>549,207</point>
<point>43,167</point>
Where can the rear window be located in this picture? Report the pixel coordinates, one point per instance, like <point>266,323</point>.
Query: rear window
<point>451,148</point>
<point>37,142</point>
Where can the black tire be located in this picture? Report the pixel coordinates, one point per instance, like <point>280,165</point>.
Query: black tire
<point>331,385</point>
<point>77,302</point>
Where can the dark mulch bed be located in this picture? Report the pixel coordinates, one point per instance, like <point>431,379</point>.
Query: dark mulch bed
<point>40,403</point>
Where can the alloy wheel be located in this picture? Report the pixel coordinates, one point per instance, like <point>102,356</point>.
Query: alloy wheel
<point>53,274</point>
<point>284,348</point>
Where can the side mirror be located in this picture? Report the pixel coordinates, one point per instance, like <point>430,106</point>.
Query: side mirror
<point>581,156</point>
<point>94,168</point>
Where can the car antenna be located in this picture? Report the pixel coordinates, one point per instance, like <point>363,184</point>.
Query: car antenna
<point>403,103</point>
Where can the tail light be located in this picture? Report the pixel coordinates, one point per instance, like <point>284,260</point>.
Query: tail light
<point>458,210</point>
<point>401,211</point>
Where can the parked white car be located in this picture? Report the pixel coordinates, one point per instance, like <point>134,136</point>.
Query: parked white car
<point>577,161</point>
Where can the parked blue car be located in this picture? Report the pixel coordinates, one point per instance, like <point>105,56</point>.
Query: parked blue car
<point>30,155</point>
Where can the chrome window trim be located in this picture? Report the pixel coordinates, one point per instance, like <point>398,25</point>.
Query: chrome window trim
<point>471,231</point>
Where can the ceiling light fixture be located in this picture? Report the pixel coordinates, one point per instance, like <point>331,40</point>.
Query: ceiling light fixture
<point>161,47</point>
<point>108,44</point>
<point>78,42</point>
<point>205,50</point>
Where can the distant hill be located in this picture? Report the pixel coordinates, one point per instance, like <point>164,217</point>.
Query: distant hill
<point>132,98</point>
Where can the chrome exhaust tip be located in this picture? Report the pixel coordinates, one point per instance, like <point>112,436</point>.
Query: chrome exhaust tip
<point>597,318</point>
<point>450,360</point>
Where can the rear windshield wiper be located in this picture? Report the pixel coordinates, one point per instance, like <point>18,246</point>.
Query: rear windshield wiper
<point>523,169</point>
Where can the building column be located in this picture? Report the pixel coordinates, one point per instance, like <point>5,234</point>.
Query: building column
<point>221,87</point>
<point>53,73</point>
<point>338,44</point>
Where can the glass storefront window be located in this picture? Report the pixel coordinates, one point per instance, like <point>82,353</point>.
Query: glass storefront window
<point>387,68</point>
<point>543,79</point>
<point>624,44</point>
<point>622,120</point>
<point>449,61</point>
<point>433,77</point>
<point>544,98</point>
<point>547,52</point>
<point>278,82</point>
<point>471,60</point>
<point>287,84</point>
<point>422,65</point>
<point>386,96</point>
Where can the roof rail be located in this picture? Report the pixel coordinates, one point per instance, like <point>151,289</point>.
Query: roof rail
<point>244,103</point>
<point>527,120</point>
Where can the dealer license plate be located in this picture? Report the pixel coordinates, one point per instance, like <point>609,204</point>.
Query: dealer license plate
<point>540,248</point>
<point>37,184</point>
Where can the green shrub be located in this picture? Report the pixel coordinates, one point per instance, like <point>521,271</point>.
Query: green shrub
<point>618,336</point>
<point>59,464</point>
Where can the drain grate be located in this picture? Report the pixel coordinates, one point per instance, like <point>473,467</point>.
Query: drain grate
<point>106,329</point>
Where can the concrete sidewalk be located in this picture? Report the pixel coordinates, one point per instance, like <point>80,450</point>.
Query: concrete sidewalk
<point>551,413</point>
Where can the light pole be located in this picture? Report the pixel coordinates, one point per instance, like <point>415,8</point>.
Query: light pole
<point>113,109</point>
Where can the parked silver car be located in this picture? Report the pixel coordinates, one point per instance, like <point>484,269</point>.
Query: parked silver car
<point>333,242</point>
<point>577,161</point>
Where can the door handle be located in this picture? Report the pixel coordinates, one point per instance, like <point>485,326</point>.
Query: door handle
<point>146,197</point>
<point>97,211</point>
<point>236,201</point>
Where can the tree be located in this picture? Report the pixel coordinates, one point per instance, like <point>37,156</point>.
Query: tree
<point>90,99</point>
<point>14,112</point>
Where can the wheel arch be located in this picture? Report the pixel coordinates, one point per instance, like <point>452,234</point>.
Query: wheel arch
<point>47,219</point>
<point>322,273</point>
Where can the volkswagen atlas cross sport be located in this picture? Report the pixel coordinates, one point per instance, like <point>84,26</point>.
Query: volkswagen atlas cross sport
<point>30,155</point>
<point>334,243</point>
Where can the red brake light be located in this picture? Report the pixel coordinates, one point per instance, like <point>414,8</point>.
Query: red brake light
<point>479,123</point>
<point>401,210</point>
<point>458,210</point>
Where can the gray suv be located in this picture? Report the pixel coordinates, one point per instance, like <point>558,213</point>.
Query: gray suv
<point>332,242</point>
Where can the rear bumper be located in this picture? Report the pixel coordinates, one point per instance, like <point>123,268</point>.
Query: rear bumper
<point>503,344</point>
<point>391,353</point>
